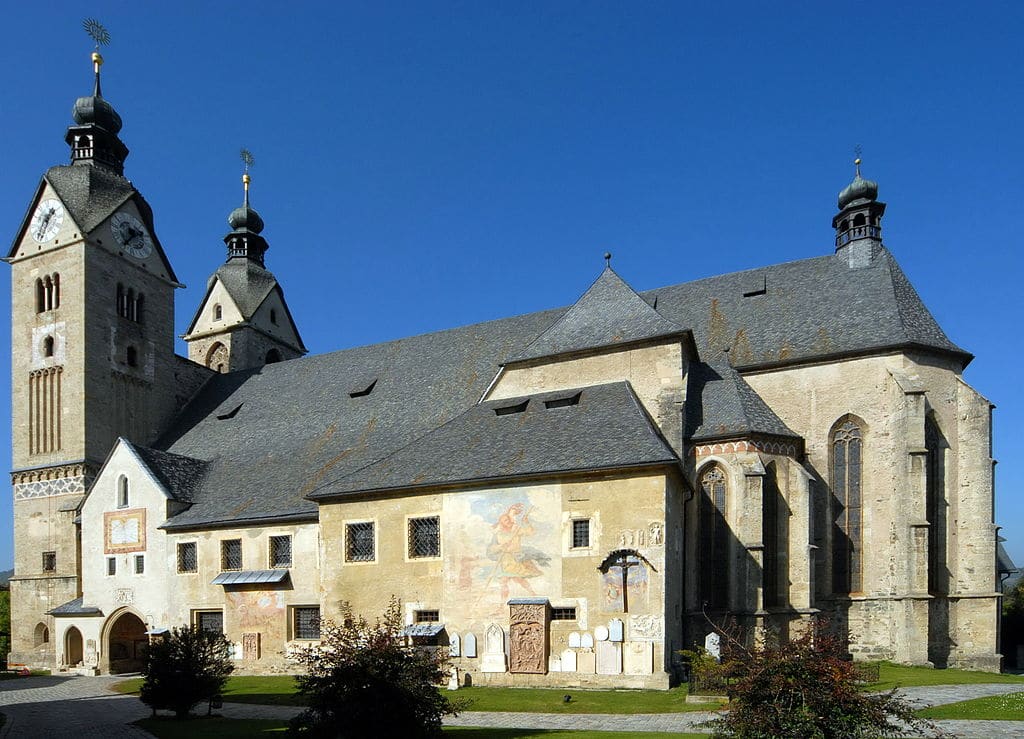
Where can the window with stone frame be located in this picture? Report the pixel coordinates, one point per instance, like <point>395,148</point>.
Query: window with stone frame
<point>425,537</point>
<point>231,554</point>
<point>111,566</point>
<point>306,622</point>
<point>122,492</point>
<point>847,446</point>
<point>188,559</point>
<point>210,621</point>
<point>429,616</point>
<point>359,544</point>
<point>140,564</point>
<point>280,551</point>
<point>713,539</point>
<point>49,561</point>
<point>563,613</point>
<point>580,533</point>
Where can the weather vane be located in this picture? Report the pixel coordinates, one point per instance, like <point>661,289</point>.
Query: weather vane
<point>857,151</point>
<point>96,32</point>
<point>247,161</point>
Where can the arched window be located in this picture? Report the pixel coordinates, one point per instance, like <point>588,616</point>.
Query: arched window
<point>131,356</point>
<point>56,291</point>
<point>41,635</point>
<point>858,220</point>
<point>40,296</point>
<point>121,300</point>
<point>137,308</point>
<point>844,226</point>
<point>48,346</point>
<point>935,507</point>
<point>713,538</point>
<point>847,450</point>
<point>218,313</point>
<point>122,492</point>
<point>273,356</point>
<point>217,357</point>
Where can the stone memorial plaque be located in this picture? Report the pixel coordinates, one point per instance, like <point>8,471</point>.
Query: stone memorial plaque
<point>493,659</point>
<point>645,627</point>
<point>90,653</point>
<point>615,630</point>
<point>453,679</point>
<point>568,661</point>
<point>601,633</point>
<point>554,663</point>
<point>586,663</point>
<point>574,639</point>
<point>713,645</point>
<point>638,657</point>
<point>470,650</point>
<point>454,646</point>
<point>528,637</point>
<point>251,646</point>
<point>587,640</point>
<point>609,658</point>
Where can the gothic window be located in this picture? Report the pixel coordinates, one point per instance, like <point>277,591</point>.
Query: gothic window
<point>713,538</point>
<point>935,510</point>
<point>137,308</point>
<point>44,410</point>
<point>773,539</point>
<point>847,443</point>
<point>55,292</point>
<point>120,300</point>
<point>48,346</point>
<point>424,537</point>
<point>122,492</point>
<point>217,357</point>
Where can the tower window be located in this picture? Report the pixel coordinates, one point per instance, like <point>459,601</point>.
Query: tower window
<point>131,357</point>
<point>847,446</point>
<point>122,492</point>
<point>48,293</point>
<point>49,561</point>
<point>137,308</point>
<point>48,346</point>
<point>40,296</point>
<point>273,316</point>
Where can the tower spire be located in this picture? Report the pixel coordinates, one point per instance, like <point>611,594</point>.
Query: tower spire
<point>858,224</point>
<point>245,241</point>
<point>93,140</point>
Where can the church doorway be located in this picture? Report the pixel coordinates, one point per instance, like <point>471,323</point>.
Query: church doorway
<point>126,644</point>
<point>72,647</point>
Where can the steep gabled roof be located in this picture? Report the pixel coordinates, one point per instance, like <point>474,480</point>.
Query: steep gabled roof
<point>720,404</point>
<point>592,428</point>
<point>180,476</point>
<point>609,313</point>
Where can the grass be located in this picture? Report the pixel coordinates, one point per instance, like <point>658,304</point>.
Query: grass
<point>900,676</point>
<point>15,675</point>
<point>222,728</point>
<point>547,700</point>
<point>1009,707</point>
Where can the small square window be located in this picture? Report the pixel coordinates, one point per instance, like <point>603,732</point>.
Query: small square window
<point>140,564</point>
<point>231,554</point>
<point>580,533</point>
<point>424,537</point>
<point>563,614</point>
<point>188,561</point>
<point>359,545</point>
<point>111,566</point>
<point>210,621</point>
<point>49,561</point>
<point>426,617</point>
<point>306,622</point>
<point>280,551</point>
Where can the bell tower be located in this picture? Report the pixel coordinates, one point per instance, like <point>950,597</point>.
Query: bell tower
<point>92,356</point>
<point>858,223</point>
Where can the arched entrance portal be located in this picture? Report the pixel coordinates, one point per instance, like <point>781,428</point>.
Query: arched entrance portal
<point>126,644</point>
<point>72,647</point>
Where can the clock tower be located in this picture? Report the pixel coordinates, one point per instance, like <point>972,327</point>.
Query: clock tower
<point>92,357</point>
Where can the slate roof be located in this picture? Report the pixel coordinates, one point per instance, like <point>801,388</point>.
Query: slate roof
<point>297,431</point>
<point>250,577</point>
<point>607,427</point>
<point>608,313</point>
<point>91,194</point>
<point>720,404</point>
<point>180,476</point>
<point>75,608</point>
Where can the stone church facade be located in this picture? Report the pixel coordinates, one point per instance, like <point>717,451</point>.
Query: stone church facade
<point>561,498</point>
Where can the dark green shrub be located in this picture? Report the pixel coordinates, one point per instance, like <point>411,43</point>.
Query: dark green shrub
<point>364,680</point>
<point>185,668</point>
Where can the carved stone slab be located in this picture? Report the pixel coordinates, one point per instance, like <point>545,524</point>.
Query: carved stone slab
<point>587,640</point>
<point>251,646</point>
<point>615,630</point>
<point>586,663</point>
<point>494,650</point>
<point>454,646</point>
<point>609,658</point>
<point>90,653</point>
<point>528,637</point>
<point>574,639</point>
<point>644,626</point>
<point>470,650</point>
<point>638,657</point>
<point>568,661</point>
<point>554,663</point>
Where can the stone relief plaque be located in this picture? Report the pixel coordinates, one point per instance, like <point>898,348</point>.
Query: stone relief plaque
<point>251,646</point>
<point>494,650</point>
<point>124,595</point>
<point>454,646</point>
<point>615,630</point>
<point>528,637</point>
<point>644,627</point>
<point>470,650</point>
<point>638,658</point>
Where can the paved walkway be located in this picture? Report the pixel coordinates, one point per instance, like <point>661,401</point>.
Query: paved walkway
<point>84,708</point>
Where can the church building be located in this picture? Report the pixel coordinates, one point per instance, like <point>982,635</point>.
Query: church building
<point>562,498</point>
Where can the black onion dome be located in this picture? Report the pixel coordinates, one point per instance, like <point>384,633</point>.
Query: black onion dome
<point>93,109</point>
<point>245,219</point>
<point>859,189</point>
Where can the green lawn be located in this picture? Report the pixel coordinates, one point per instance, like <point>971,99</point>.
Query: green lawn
<point>170,728</point>
<point>1008,707</point>
<point>899,676</point>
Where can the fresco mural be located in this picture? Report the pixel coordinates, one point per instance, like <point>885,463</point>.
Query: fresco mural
<point>624,585</point>
<point>507,542</point>
<point>258,610</point>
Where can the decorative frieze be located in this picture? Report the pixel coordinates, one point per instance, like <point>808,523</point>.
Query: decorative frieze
<point>50,482</point>
<point>768,446</point>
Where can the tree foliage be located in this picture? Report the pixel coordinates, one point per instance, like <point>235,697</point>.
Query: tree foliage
<point>187,667</point>
<point>805,689</point>
<point>1013,600</point>
<point>364,680</point>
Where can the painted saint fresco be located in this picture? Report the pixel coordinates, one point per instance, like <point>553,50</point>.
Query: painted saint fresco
<point>624,585</point>
<point>505,543</point>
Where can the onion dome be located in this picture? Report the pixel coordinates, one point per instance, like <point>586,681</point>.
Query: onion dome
<point>859,189</point>
<point>93,109</point>
<point>245,219</point>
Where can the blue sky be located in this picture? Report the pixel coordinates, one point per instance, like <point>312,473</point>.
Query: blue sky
<point>424,165</point>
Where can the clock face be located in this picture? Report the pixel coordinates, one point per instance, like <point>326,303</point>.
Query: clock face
<point>132,235</point>
<point>47,220</point>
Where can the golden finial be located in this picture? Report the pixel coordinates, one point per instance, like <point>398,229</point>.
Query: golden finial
<point>856,161</point>
<point>247,161</point>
